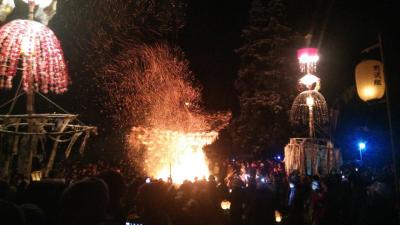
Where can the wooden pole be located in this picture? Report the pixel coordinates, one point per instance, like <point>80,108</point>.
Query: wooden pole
<point>31,4</point>
<point>389,114</point>
<point>311,121</point>
<point>32,144</point>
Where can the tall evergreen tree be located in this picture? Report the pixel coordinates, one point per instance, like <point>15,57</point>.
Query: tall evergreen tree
<point>266,80</point>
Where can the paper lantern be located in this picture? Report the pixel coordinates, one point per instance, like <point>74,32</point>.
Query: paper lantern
<point>310,101</point>
<point>308,58</point>
<point>309,79</point>
<point>225,205</point>
<point>36,175</point>
<point>278,216</point>
<point>370,80</point>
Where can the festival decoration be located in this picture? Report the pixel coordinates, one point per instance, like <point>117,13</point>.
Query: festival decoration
<point>225,205</point>
<point>310,155</point>
<point>31,49</point>
<point>309,107</point>
<point>308,58</point>
<point>6,8</point>
<point>308,80</point>
<point>36,175</point>
<point>370,80</point>
<point>278,216</point>
<point>41,55</point>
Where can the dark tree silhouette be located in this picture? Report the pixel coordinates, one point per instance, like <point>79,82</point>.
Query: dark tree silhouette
<point>266,80</point>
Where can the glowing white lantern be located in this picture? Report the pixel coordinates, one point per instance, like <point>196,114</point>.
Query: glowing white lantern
<point>36,175</point>
<point>309,79</point>
<point>310,101</point>
<point>225,205</point>
<point>278,216</point>
<point>370,80</point>
<point>308,58</point>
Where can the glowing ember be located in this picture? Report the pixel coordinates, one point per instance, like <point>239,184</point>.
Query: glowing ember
<point>176,154</point>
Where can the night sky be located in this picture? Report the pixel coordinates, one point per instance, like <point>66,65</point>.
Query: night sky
<point>341,29</point>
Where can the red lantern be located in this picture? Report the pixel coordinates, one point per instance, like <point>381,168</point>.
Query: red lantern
<point>39,51</point>
<point>308,58</point>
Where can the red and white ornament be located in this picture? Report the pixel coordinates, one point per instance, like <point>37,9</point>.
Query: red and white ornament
<point>36,48</point>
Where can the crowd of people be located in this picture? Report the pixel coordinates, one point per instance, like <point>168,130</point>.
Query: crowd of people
<point>102,193</point>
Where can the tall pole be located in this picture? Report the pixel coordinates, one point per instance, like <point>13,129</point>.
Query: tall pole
<point>30,94</point>
<point>31,4</point>
<point>311,121</point>
<point>31,147</point>
<point>389,114</point>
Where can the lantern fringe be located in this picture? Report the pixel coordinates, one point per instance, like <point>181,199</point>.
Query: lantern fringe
<point>311,156</point>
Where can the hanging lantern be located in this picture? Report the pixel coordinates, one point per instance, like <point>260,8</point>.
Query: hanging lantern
<point>310,101</point>
<point>309,79</point>
<point>225,205</point>
<point>278,216</point>
<point>299,112</point>
<point>36,175</point>
<point>308,58</point>
<point>370,80</point>
<point>35,47</point>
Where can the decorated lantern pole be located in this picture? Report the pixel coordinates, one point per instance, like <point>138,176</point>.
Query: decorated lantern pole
<point>308,58</point>
<point>310,108</point>
<point>43,69</point>
<point>31,50</point>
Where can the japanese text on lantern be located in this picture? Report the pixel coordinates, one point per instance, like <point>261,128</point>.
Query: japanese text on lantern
<point>377,75</point>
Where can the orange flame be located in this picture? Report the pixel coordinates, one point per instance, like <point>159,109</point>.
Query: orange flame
<point>173,153</point>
